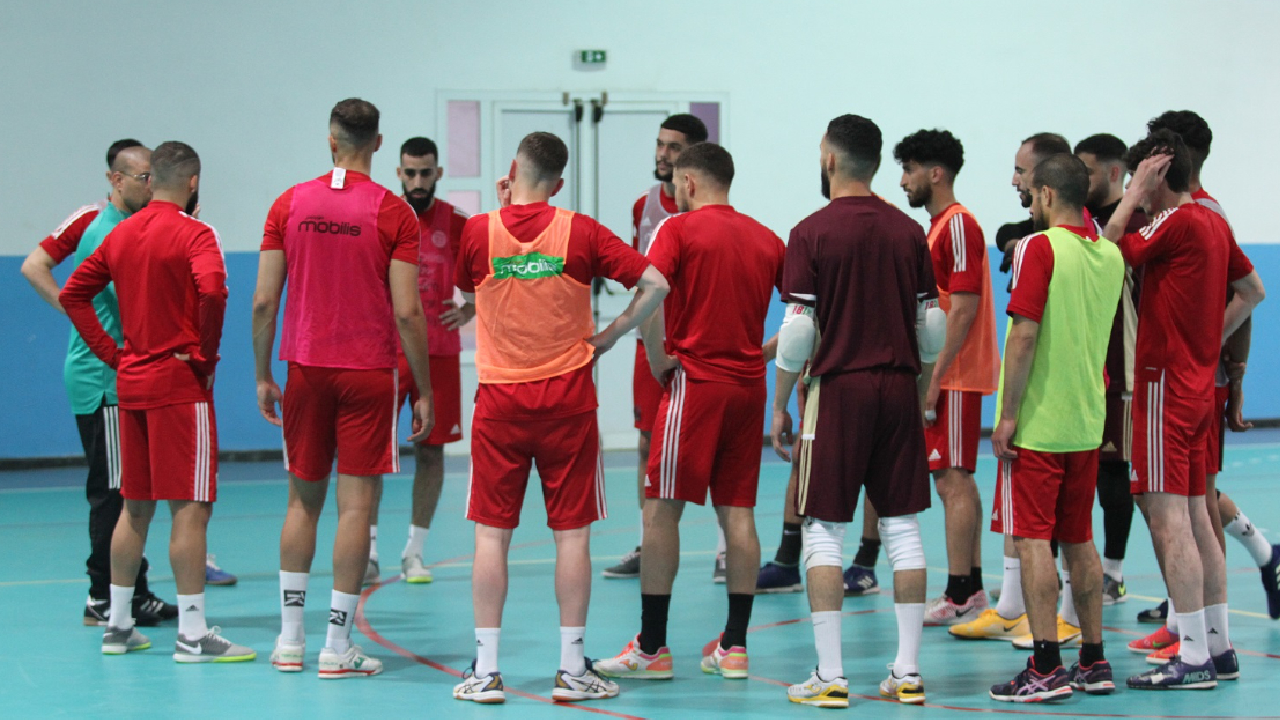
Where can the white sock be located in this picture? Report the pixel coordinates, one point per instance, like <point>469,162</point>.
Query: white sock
<point>191,624</point>
<point>293,599</point>
<point>910,630</point>
<point>1114,568</point>
<point>1068,611</point>
<point>1251,538</point>
<point>417,537</point>
<point>1011,606</point>
<point>721,546</point>
<point>827,639</point>
<point>373,543</point>
<point>1215,621</point>
<point>1194,650</point>
<point>121,616</point>
<point>1171,620</point>
<point>342,613</point>
<point>572,645</point>
<point>487,650</point>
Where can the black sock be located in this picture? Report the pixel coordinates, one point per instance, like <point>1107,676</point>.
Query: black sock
<point>735,629</point>
<point>975,575</point>
<point>789,549</point>
<point>1046,656</point>
<point>1090,653</point>
<point>868,551</point>
<point>959,588</point>
<point>1117,507</point>
<point>1053,547</point>
<point>653,622</point>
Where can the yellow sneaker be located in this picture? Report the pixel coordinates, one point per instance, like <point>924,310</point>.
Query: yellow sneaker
<point>990,626</point>
<point>1068,636</point>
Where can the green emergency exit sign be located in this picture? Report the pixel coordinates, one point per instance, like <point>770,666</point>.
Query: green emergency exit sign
<point>592,57</point>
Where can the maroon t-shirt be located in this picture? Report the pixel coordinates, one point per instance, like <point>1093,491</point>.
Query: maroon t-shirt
<point>863,265</point>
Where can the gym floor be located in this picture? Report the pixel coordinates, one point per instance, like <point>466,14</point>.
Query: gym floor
<point>424,633</point>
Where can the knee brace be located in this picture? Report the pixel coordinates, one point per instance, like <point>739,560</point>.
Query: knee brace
<point>902,543</point>
<point>823,543</point>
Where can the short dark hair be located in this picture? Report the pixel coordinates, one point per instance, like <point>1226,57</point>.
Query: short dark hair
<point>173,163</point>
<point>117,147</point>
<point>419,147</point>
<point>694,130</point>
<point>858,140</point>
<point>356,122</point>
<point>547,153</point>
<point>1104,146</point>
<point>709,159</point>
<point>1164,141</point>
<point>931,147</point>
<point>1194,130</point>
<point>1044,144</point>
<point>1066,174</point>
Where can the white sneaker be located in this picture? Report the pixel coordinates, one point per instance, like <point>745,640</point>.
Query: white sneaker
<point>352,663</point>
<point>820,693</point>
<point>631,662</point>
<point>287,656</point>
<point>414,571</point>
<point>942,611</point>
<point>371,573</point>
<point>907,689</point>
<point>587,686</point>
<point>487,689</point>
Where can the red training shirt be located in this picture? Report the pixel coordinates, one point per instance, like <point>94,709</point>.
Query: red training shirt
<point>62,242</point>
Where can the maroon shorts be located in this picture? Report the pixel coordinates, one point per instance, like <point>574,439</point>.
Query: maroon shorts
<point>952,441</point>
<point>1170,441</point>
<point>708,437</point>
<point>350,413</point>
<point>446,394</point>
<point>169,453</point>
<point>1046,496</point>
<point>862,429</point>
<point>1117,430</point>
<point>1216,446</point>
<point>646,393</point>
<point>567,453</point>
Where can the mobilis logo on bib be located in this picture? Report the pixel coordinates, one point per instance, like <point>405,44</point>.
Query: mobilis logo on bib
<point>527,267</point>
<point>317,224</point>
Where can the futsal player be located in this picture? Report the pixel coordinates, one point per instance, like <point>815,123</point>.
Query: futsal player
<point>859,272</point>
<point>349,249</point>
<point>170,283</point>
<point>1190,258</point>
<point>528,267</point>
<point>965,370</point>
<point>1051,410</point>
<point>706,350</point>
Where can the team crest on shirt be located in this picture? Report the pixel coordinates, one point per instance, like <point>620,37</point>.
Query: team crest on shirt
<point>439,239</point>
<point>527,267</point>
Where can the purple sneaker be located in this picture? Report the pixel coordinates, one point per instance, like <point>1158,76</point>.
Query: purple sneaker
<point>1031,686</point>
<point>1177,675</point>
<point>776,578</point>
<point>1093,679</point>
<point>1227,665</point>
<point>859,580</point>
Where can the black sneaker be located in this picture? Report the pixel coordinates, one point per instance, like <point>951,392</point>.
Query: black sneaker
<point>149,610</point>
<point>1093,679</point>
<point>1227,665</point>
<point>96,612</point>
<point>1155,615</point>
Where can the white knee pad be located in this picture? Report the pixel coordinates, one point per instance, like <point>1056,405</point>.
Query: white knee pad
<point>902,543</point>
<point>823,543</point>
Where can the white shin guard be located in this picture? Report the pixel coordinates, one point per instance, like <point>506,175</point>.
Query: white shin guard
<point>823,543</point>
<point>902,543</point>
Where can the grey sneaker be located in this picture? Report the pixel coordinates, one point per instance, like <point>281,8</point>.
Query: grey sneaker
<point>372,573</point>
<point>212,648</point>
<point>628,568</point>
<point>414,571</point>
<point>118,642</point>
<point>1113,592</point>
<point>720,574</point>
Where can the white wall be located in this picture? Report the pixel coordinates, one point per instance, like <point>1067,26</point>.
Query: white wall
<point>249,84</point>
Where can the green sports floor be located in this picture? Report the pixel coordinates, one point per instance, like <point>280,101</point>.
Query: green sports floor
<point>52,666</point>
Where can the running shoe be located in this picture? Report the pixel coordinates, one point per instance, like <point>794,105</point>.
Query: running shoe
<point>214,575</point>
<point>1159,639</point>
<point>1157,614</point>
<point>212,648</point>
<point>149,610</point>
<point>352,663</point>
<point>1164,654</point>
<point>1177,675</point>
<point>1068,636</point>
<point>1093,679</point>
<point>118,642</point>
<point>1227,665</point>
<point>776,578</point>
<point>820,693</point>
<point>720,573</point>
<point>1031,686</point>
<point>371,572</point>
<point>731,663</point>
<point>487,689</point>
<point>1271,583</point>
<point>97,612</point>
<point>287,656</point>
<point>415,572</point>
<point>1113,590</point>
<point>908,689</point>
<point>990,626</point>
<point>587,686</point>
<point>944,611</point>
<point>628,568</point>
<point>860,581</point>
<point>634,663</point>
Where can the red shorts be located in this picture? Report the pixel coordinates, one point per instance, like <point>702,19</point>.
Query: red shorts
<point>446,393</point>
<point>169,453</point>
<point>646,393</point>
<point>1216,447</point>
<point>952,441</point>
<point>1047,496</point>
<point>352,413</point>
<point>1170,441</point>
<point>567,452</point>
<point>708,437</point>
